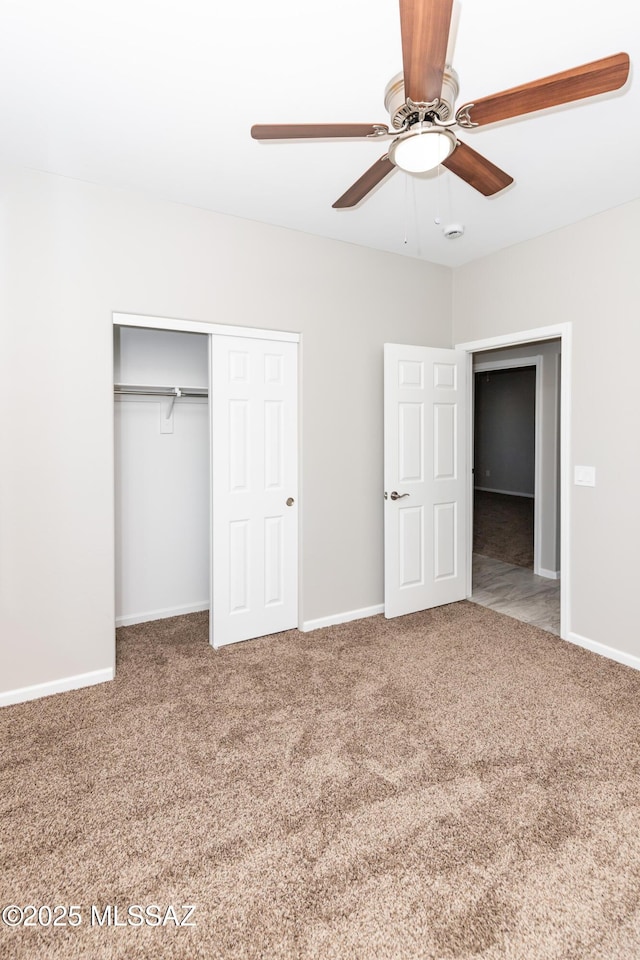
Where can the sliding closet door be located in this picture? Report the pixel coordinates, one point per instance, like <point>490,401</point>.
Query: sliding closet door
<point>254,472</point>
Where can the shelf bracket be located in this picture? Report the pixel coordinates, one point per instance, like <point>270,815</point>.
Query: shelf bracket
<point>169,413</point>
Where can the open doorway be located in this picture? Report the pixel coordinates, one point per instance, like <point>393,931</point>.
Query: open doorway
<point>162,501</point>
<point>504,463</point>
<point>428,453</point>
<point>516,496</point>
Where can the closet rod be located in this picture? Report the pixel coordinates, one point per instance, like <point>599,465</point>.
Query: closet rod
<point>142,390</point>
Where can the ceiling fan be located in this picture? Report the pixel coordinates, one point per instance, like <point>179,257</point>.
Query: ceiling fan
<point>421,103</point>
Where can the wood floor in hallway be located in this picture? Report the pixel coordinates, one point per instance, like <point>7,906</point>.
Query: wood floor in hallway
<point>516,591</point>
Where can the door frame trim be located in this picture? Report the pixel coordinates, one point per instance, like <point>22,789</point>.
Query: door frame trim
<point>563,332</point>
<point>519,363</point>
<point>220,329</point>
<point>200,326</point>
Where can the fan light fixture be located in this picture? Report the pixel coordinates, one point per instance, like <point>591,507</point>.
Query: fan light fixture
<point>423,149</point>
<point>421,103</point>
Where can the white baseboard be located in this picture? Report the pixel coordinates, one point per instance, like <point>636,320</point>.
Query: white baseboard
<point>549,574</point>
<point>342,617</point>
<point>128,621</point>
<point>56,686</point>
<point>508,493</point>
<point>611,653</point>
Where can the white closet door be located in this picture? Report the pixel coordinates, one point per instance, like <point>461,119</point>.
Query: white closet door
<point>254,440</point>
<point>425,515</point>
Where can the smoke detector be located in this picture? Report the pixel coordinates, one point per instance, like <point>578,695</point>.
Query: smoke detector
<point>453,230</point>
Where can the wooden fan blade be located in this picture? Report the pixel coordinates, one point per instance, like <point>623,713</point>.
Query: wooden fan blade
<point>601,76</point>
<point>304,131</point>
<point>425,28</point>
<point>476,170</point>
<point>370,179</point>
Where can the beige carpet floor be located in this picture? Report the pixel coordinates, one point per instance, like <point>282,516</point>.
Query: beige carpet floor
<point>503,527</point>
<point>451,784</point>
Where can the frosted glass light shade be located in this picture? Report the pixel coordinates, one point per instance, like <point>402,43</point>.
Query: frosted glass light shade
<point>423,150</point>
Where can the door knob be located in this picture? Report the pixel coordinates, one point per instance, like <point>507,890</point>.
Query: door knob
<point>290,501</point>
<point>398,496</point>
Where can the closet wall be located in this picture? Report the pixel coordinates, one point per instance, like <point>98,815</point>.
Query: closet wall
<point>162,477</point>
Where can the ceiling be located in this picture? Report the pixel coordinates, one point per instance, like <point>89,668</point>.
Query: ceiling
<point>159,96</point>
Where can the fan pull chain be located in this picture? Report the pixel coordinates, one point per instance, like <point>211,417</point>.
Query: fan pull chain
<point>416,218</point>
<point>449,199</point>
<point>406,210</point>
<point>438,219</point>
<point>411,202</point>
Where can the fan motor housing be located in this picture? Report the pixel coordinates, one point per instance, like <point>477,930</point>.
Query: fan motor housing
<point>395,100</point>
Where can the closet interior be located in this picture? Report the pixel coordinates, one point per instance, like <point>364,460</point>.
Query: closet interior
<point>162,502</point>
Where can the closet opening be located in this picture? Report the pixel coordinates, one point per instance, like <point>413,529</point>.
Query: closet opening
<point>162,503</point>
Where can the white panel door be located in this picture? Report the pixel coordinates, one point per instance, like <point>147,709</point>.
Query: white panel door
<point>254,472</point>
<point>425,452</point>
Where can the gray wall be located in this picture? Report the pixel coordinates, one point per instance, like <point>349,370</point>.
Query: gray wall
<point>586,274</point>
<point>71,254</point>
<point>504,431</point>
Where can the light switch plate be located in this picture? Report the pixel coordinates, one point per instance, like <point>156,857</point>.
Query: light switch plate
<point>585,476</point>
